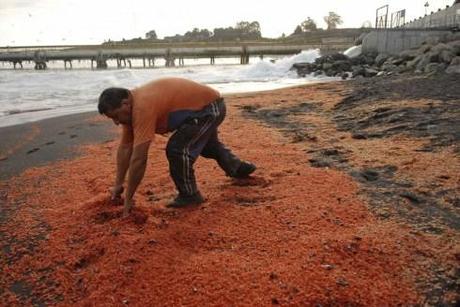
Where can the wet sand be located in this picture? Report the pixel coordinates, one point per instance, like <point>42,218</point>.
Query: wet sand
<point>39,143</point>
<point>334,215</point>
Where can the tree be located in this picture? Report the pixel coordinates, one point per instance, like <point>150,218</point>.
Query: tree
<point>308,25</point>
<point>225,34</point>
<point>298,30</point>
<point>198,35</point>
<point>332,20</point>
<point>151,35</point>
<point>248,30</point>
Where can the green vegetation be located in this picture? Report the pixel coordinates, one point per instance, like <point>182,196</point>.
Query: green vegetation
<point>332,20</point>
<point>245,31</point>
<point>308,25</point>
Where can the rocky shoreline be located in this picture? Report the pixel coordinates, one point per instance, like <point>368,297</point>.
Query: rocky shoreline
<point>429,58</point>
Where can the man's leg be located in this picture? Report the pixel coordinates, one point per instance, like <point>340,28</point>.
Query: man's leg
<point>227,161</point>
<point>199,136</point>
<point>184,147</point>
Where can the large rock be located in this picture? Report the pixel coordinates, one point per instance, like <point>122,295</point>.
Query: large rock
<point>389,67</point>
<point>434,67</point>
<point>397,60</point>
<point>357,70</point>
<point>455,47</point>
<point>304,69</point>
<point>446,56</point>
<point>341,65</point>
<point>441,47</point>
<point>413,64</point>
<point>326,66</point>
<point>364,59</point>
<point>424,61</point>
<point>408,55</point>
<point>369,72</point>
<point>331,58</point>
<point>338,57</point>
<point>369,59</point>
<point>359,60</point>
<point>453,69</point>
<point>381,58</point>
<point>455,61</point>
<point>424,48</point>
<point>432,56</point>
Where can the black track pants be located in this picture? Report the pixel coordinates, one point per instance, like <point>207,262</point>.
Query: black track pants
<point>196,136</point>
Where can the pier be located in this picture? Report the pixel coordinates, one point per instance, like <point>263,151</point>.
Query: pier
<point>172,54</point>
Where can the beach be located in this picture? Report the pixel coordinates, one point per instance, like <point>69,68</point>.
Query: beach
<point>355,202</point>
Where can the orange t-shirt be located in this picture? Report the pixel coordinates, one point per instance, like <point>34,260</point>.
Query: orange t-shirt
<point>156,100</point>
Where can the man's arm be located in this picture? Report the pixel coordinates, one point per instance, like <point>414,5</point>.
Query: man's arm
<point>123,157</point>
<point>137,167</point>
<point>124,152</point>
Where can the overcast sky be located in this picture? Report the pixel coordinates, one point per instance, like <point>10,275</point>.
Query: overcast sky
<point>42,22</point>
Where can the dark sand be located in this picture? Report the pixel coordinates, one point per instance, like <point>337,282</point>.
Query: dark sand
<point>42,142</point>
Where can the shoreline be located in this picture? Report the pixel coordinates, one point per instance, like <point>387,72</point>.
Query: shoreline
<point>85,110</point>
<point>50,139</point>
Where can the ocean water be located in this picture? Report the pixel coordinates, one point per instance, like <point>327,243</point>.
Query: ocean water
<point>29,95</point>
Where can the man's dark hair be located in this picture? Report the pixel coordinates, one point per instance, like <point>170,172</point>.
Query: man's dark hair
<point>111,98</point>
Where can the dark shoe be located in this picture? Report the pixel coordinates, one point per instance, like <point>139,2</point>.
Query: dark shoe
<point>244,170</point>
<point>186,200</point>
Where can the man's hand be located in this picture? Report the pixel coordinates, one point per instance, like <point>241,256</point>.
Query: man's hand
<point>115,196</point>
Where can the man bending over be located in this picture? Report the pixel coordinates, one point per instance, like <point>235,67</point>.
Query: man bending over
<point>194,111</point>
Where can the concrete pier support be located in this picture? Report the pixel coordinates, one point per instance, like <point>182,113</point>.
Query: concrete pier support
<point>18,62</point>
<point>101,61</point>
<point>244,59</point>
<point>169,59</point>
<point>143,62</point>
<point>181,61</point>
<point>101,64</point>
<point>170,62</point>
<point>40,65</point>
<point>121,62</point>
<point>213,60</point>
<point>70,64</point>
<point>40,60</point>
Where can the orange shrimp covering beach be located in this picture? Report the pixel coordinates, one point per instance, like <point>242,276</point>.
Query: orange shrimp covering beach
<point>155,101</point>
